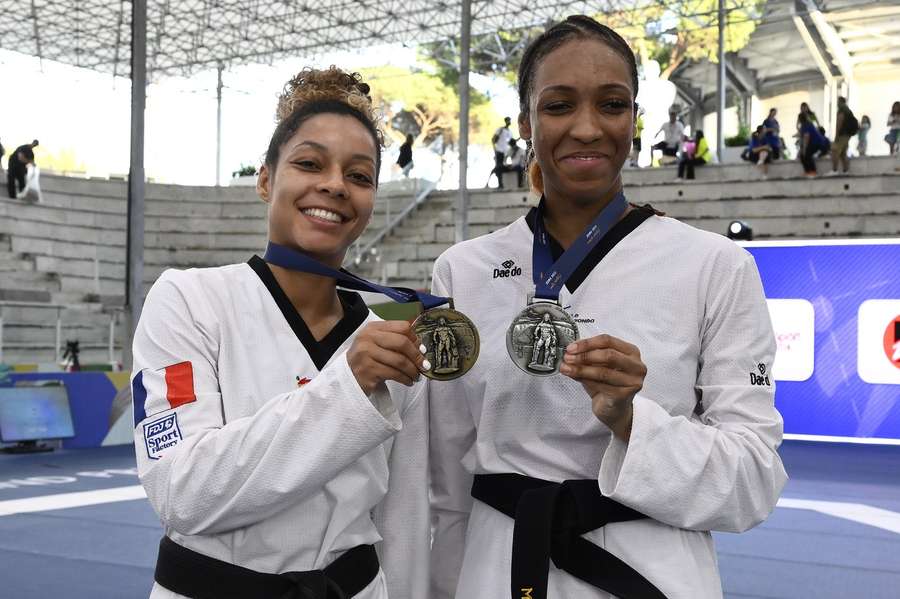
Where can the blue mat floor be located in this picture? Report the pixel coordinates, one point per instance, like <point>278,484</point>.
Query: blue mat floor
<point>107,551</point>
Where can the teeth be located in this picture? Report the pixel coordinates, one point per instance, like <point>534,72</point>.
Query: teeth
<point>323,214</point>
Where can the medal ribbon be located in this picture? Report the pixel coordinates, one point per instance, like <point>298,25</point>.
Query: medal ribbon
<point>549,276</point>
<point>286,257</point>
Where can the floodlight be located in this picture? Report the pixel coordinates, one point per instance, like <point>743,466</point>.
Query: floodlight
<point>738,229</point>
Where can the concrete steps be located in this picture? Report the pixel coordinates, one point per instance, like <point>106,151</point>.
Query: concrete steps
<point>71,247</point>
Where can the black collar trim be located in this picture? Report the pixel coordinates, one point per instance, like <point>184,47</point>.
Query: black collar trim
<point>619,232</point>
<point>355,313</point>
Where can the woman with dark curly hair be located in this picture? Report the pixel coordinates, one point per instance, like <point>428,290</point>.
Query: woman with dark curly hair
<point>622,406</point>
<point>268,403</point>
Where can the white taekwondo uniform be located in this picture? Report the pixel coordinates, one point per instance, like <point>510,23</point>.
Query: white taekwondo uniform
<point>702,452</point>
<point>259,448</point>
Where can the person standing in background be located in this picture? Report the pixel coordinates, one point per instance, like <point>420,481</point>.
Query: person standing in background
<point>847,126</point>
<point>405,160</point>
<point>501,141</point>
<point>862,145</point>
<point>16,168</point>
<point>893,125</point>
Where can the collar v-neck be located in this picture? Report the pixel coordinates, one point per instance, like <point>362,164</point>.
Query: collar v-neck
<point>355,313</point>
<point>617,233</point>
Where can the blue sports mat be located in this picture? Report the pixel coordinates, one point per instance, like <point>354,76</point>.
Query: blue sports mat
<point>109,550</point>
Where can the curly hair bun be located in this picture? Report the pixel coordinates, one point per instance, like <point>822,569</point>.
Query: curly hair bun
<point>316,85</point>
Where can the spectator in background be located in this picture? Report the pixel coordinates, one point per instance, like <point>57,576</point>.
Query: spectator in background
<point>893,125</point>
<point>826,143</point>
<point>673,132</point>
<point>501,141</point>
<point>32,188</point>
<point>16,168</point>
<point>847,126</point>
<point>405,160</point>
<point>759,151</point>
<point>772,131</point>
<point>698,156</point>
<point>517,162</point>
<point>862,145</point>
<point>636,141</point>
<point>810,115</point>
<point>811,142</point>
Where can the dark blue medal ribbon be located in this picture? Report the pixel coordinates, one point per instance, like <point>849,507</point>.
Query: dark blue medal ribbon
<point>286,257</point>
<point>549,276</point>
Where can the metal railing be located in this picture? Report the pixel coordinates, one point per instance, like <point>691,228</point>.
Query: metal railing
<point>391,224</point>
<point>112,311</point>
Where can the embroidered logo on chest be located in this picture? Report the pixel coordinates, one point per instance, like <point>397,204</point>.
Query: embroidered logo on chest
<point>302,380</point>
<point>507,269</point>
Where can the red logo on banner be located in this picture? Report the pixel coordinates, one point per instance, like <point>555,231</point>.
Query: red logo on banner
<point>892,341</point>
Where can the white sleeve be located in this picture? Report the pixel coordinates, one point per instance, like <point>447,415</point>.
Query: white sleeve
<point>452,433</point>
<point>719,470</point>
<point>205,476</point>
<point>402,517</point>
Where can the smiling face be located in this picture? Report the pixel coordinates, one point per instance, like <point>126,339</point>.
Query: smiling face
<point>321,192</point>
<point>581,120</point>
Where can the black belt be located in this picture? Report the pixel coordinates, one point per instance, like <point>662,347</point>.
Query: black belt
<point>199,576</point>
<point>549,521</point>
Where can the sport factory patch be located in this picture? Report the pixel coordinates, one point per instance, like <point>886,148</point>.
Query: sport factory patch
<point>161,434</point>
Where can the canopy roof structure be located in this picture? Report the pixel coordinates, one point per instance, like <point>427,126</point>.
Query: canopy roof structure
<point>188,35</point>
<point>803,42</point>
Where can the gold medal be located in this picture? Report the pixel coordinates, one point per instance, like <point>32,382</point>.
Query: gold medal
<point>451,342</point>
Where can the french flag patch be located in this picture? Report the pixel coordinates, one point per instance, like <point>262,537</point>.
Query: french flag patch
<point>179,384</point>
<point>175,383</point>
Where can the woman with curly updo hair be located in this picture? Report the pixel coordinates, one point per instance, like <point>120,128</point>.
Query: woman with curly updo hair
<point>268,403</point>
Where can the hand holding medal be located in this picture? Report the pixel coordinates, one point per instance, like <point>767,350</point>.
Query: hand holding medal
<point>446,338</point>
<point>611,371</point>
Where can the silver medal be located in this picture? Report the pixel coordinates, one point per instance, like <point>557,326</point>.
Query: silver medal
<point>537,338</point>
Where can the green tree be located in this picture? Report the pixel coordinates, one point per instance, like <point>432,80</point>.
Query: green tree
<point>430,102</point>
<point>668,32</point>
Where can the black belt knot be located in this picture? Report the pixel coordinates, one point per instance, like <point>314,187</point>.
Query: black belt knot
<point>192,574</point>
<point>549,521</point>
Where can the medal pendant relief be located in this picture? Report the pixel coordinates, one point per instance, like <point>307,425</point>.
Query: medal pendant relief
<point>537,338</point>
<point>451,342</point>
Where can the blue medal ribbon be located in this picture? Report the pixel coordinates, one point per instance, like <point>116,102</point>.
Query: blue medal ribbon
<point>286,257</point>
<point>549,276</point>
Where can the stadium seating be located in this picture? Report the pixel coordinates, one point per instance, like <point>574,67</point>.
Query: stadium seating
<point>70,249</point>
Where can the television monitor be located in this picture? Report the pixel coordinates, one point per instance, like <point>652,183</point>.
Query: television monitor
<point>30,414</point>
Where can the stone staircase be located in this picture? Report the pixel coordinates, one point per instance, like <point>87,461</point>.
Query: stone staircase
<point>70,249</point>
<point>865,203</point>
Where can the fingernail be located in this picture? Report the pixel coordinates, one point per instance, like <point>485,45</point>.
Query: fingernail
<point>565,369</point>
<point>422,348</point>
<point>426,365</point>
<point>571,347</point>
<point>569,358</point>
